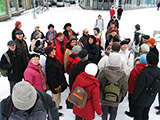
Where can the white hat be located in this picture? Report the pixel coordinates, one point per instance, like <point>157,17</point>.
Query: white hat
<point>36,26</point>
<point>145,48</point>
<point>76,49</point>
<point>24,95</point>
<point>91,69</point>
<point>114,59</point>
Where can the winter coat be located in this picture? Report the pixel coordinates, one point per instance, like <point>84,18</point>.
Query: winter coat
<point>93,52</point>
<point>145,79</point>
<point>84,39</point>
<point>75,71</point>
<point>131,47</point>
<point>99,24</point>
<point>42,35</point>
<point>38,112</point>
<point>133,76</point>
<point>48,35</point>
<point>15,68</point>
<point>109,37</point>
<point>112,12</point>
<point>123,64</point>
<point>22,49</point>
<point>67,35</point>
<point>138,39</point>
<point>116,21</point>
<point>112,74</point>
<point>119,11</point>
<point>33,75</point>
<point>55,75</point>
<point>129,58</point>
<point>155,51</point>
<point>59,53</point>
<point>92,86</point>
<point>14,32</point>
<point>66,55</point>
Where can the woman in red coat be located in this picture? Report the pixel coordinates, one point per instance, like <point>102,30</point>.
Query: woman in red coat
<point>112,11</point>
<point>132,82</point>
<point>87,79</point>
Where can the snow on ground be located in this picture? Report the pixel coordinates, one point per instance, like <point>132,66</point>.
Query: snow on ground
<point>148,19</point>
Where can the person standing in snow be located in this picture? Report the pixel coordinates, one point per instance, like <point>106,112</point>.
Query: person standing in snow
<point>18,26</point>
<point>87,79</point>
<point>158,5</point>
<point>131,45</point>
<point>97,32</point>
<point>85,37</point>
<point>112,74</point>
<point>99,23</point>
<point>51,34</point>
<point>112,11</point>
<point>116,22</point>
<point>119,12</point>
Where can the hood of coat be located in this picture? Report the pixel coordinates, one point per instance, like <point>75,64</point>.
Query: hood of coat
<point>85,80</point>
<point>32,66</point>
<point>112,74</point>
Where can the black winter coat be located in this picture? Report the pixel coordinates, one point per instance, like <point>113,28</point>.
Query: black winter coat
<point>116,21</point>
<point>16,68</point>
<point>155,51</point>
<point>144,80</point>
<point>14,32</point>
<point>119,11</point>
<point>22,49</point>
<point>55,75</point>
<point>75,71</point>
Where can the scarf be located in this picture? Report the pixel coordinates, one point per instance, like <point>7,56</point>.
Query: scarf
<point>19,29</point>
<point>62,46</point>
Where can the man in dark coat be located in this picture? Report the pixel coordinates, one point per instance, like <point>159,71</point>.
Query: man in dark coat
<point>27,103</point>
<point>55,76</point>
<point>141,97</point>
<point>113,20</point>
<point>21,47</point>
<point>85,37</point>
<point>15,67</point>
<point>119,12</point>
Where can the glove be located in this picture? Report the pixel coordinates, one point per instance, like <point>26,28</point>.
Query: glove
<point>102,53</point>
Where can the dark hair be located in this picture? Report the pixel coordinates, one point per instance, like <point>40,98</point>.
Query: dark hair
<point>50,25</point>
<point>116,47</point>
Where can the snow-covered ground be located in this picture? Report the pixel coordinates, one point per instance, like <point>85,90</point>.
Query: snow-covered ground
<point>80,19</point>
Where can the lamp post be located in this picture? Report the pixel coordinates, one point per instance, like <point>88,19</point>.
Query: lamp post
<point>34,11</point>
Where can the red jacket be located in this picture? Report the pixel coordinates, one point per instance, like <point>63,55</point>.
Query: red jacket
<point>112,12</point>
<point>133,77</point>
<point>92,86</point>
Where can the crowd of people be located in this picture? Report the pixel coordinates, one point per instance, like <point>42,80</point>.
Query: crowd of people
<point>105,73</point>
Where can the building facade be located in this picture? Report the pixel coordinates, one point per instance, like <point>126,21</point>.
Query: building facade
<point>9,8</point>
<point>126,4</point>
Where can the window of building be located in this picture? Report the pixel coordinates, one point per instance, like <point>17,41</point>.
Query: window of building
<point>2,7</point>
<point>13,5</point>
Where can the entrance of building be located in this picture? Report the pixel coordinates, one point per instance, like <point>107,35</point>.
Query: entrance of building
<point>102,4</point>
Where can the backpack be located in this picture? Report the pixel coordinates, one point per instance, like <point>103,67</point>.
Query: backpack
<point>79,97</point>
<point>112,92</point>
<point>4,72</point>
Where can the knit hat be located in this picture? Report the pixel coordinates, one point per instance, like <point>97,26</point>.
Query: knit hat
<point>11,42</point>
<point>48,49</point>
<point>114,59</point>
<point>98,40</point>
<point>85,30</point>
<point>116,47</point>
<point>83,53</point>
<point>97,29</point>
<point>114,17</point>
<point>91,69</point>
<point>37,26</point>
<point>24,95</point>
<point>124,42</point>
<point>33,55</point>
<point>36,35</point>
<point>146,37</point>
<point>72,38</point>
<point>66,25</point>
<point>152,41</point>
<point>145,48</point>
<point>152,58</point>
<point>113,30</point>
<point>143,59</point>
<point>76,49</point>
<point>17,23</point>
<point>18,32</point>
<point>137,26</point>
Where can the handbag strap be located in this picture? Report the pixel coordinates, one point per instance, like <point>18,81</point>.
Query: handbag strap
<point>7,57</point>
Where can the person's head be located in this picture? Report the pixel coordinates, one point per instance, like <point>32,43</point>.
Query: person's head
<point>145,38</point>
<point>151,42</point>
<point>143,59</point>
<point>18,24</point>
<point>51,27</point>
<point>67,26</point>
<point>99,16</point>
<point>34,59</point>
<point>112,7</point>
<point>113,32</point>
<point>113,24</point>
<point>76,49</point>
<point>116,47</point>
<point>11,45</point>
<point>152,58</point>
<point>37,35</point>
<point>60,36</point>
<point>19,35</point>
<point>50,51</point>
<point>91,69</point>
<point>96,31</point>
<point>144,49</point>
<point>92,39</point>
<point>85,31</point>
<point>124,45</point>
<point>37,28</point>
<point>73,41</point>
<point>114,59</point>
<point>83,55</point>
<point>24,95</point>
<point>98,41</point>
<point>114,18</point>
<point>137,27</point>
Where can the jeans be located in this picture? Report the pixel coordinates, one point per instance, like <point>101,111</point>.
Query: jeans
<point>111,110</point>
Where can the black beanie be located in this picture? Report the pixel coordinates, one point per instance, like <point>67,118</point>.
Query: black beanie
<point>152,58</point>
<point>124,42</point>
<point>83,53</point>
<point>97,29</point>
<point>33,55</point>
